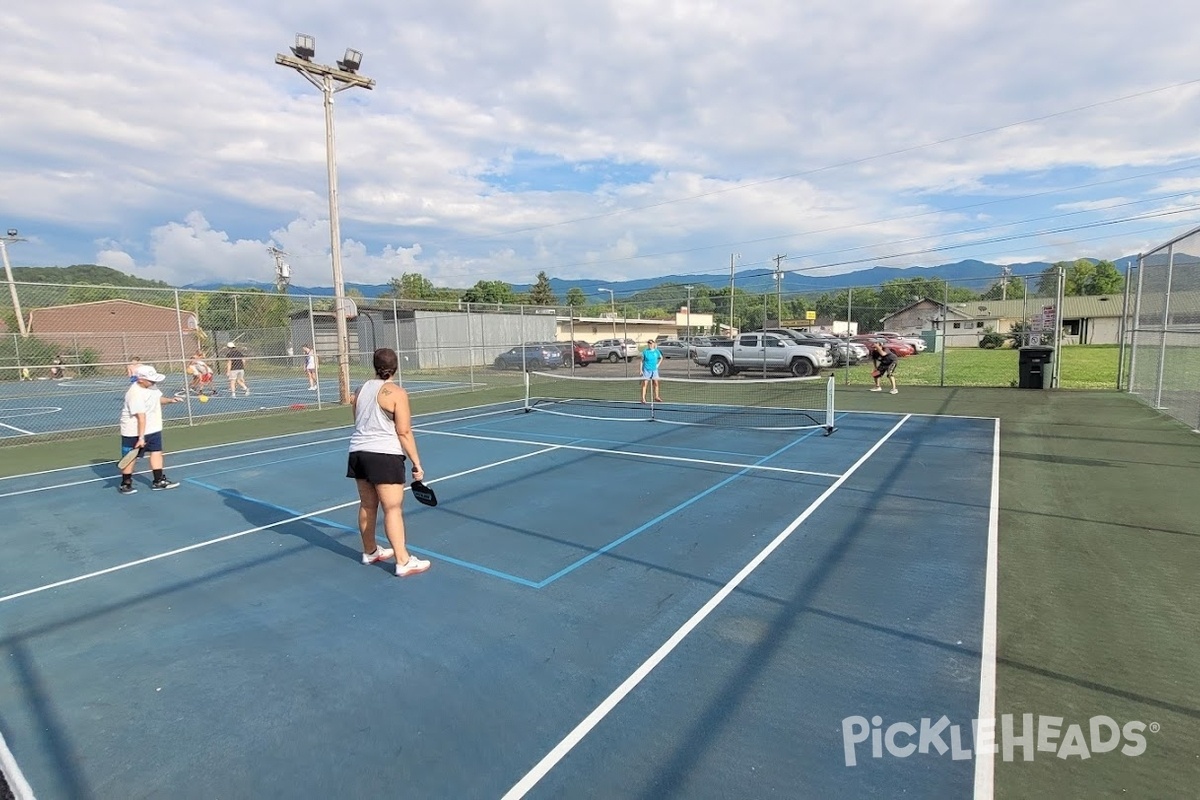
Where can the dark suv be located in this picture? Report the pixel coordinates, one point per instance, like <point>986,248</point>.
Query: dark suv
<point>530,356</point>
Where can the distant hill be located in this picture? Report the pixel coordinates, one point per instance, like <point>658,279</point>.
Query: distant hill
<point>750,280</point>
<point>89,274</point>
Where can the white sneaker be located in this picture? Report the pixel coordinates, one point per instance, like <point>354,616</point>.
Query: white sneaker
<point>380,554</point>
<point>894,391</point>
<point>876,388</point>
<point>414,566</point>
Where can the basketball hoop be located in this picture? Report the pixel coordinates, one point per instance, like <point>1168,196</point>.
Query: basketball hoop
<point>348,307</point>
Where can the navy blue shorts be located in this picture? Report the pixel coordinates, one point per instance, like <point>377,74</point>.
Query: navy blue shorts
<point>153,443</point>
<point>376,468</point>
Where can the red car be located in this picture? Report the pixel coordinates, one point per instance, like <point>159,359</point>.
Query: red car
<point>582,353</point>
<point>901,349</point>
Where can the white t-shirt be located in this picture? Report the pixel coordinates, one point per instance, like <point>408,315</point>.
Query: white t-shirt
<point>139,400</point>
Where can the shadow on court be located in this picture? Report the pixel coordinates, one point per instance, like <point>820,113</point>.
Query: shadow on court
<point>260,514</point>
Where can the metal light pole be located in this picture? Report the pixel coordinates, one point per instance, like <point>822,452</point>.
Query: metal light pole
<point>688,319</point>
<point>331,80</point>
<point>12,287</point>
<point>687,310</point>
<point>732,260</point>
<point>778,292</point>
<point>612,298</point>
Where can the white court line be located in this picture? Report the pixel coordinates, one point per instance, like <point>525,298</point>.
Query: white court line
<point>652,456</point>
<point>179,465</point>
<point>985,763</point>
<point>539,771</point>
<point>231,444</point>
<point>239,534</point>
<point>16,779</point>
<point>15,428</point>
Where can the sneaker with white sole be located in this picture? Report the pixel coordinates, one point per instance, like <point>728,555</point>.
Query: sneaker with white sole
<point>127,488</point>
<point>414,566</point>
<point>876,388</point>
<point>164,483</point>
<point>894,391</point>
<point>380,554</point>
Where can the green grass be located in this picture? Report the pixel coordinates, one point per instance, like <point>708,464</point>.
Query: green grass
<point>1082,367</point>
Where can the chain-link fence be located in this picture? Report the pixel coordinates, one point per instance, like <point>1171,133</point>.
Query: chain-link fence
<point>64,363</point>
<point>1164,329</point>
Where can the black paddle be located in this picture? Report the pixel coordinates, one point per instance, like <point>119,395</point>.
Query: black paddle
<point>423,493</point>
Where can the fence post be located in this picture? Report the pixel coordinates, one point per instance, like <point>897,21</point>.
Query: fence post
<point>849,314</point>
<point>470,349</point>
<point>1137,323</point>
<point>312,334</point>
<point>187,395</point>
<point>945,335</point>
<point>1166,318</point>
<point>1122,328</point>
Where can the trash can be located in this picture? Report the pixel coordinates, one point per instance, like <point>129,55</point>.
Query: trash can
<point>1035,367</point>
<point>933,341</point>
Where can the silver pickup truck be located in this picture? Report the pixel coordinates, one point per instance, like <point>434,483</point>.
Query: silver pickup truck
<point>763,352</point>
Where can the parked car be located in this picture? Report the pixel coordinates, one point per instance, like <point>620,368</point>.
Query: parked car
<point>916,341</point>
<point>615,350</point>
<point>901,349</point>
<point>845,352</point>
<point>530,356</point>
<point>673,348</point>
<point>804,337</point>
<point>580,352</point>
<point>766,352</point>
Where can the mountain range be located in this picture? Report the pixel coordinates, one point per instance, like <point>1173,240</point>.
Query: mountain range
<point>751,280</point>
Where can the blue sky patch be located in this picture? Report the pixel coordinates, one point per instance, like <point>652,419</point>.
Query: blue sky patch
<point>537,172</point>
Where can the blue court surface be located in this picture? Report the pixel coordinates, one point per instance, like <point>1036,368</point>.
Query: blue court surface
<point>45,406</point>
<point>615,609</point>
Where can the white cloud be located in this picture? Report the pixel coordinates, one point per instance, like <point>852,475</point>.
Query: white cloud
<point>165,132</point>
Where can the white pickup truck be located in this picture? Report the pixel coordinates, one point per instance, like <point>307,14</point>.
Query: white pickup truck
<point>763,352</point>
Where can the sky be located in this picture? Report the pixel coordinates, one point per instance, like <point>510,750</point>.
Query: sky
<point>605,139</point>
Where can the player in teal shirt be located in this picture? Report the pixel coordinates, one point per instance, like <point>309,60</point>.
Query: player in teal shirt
<point>651,356</point>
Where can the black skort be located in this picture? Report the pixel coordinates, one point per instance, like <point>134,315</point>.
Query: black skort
<point>376,468</point>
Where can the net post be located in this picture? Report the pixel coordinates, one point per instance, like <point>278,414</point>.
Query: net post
<point>829,407</point>
<point>528,405</point>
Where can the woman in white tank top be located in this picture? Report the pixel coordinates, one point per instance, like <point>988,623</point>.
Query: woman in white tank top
<point>382,441</point>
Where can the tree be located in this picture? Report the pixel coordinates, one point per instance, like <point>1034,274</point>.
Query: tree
<point>541,294</point>
<point>490,292</point>
<point>998,291</point>
<point>412,286</point>
<point>1083,277</point>
<point>576,298</point>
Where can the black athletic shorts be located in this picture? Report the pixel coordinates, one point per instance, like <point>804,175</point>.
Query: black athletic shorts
<point>376,468</point>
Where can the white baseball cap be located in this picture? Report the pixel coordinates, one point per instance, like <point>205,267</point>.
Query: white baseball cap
<point>147,372</point>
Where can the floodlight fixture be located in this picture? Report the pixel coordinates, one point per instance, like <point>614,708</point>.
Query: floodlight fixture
<point>306,47</point>
<point>351,61</point>
<point>329,80</point>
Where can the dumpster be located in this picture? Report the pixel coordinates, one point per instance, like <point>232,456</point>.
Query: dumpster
<point>1035,366</point>
<point>933,341</point>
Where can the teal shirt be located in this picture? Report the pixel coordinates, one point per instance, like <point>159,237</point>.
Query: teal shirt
<point>650,358</point>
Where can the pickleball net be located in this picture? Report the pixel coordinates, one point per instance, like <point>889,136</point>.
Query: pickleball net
<point>776,404</point>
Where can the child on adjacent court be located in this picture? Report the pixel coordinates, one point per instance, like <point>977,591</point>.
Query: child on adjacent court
<point>141,426</point>
<point>310,367</point>
<point>885,364</point>
<point>131,368</point>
